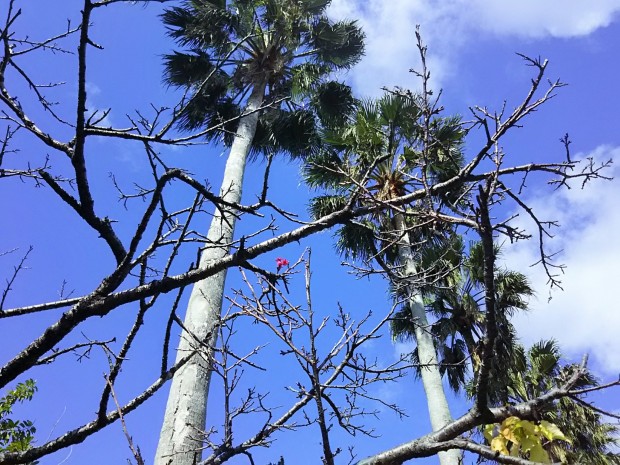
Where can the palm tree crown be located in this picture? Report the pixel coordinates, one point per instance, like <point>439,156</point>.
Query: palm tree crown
<point>379,156</point>
<point>288,47</point>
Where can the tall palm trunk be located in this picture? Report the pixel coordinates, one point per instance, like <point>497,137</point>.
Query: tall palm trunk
<point>180,441</point>
<point>438,409</point>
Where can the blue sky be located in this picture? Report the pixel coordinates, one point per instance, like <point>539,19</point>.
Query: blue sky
<point>472,58</point>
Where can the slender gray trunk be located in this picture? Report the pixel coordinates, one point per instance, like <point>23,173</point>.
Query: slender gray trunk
<point>182,432</point>
<point>438,409</point>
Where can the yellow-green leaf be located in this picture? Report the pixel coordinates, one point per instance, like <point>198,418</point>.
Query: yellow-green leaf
<point>538,454</point>
<point>489,431</point>
<point>529,443</point>
<point>498,444</point>
<point>528,427</point>
<point>509,429</point>
<point>551,431</point>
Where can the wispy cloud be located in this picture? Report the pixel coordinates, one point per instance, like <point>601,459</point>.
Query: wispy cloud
<point>93,92</point>
<point>390,45</point>
<point>536,19</point>
<point>585,317</point>
<point>450,25</point>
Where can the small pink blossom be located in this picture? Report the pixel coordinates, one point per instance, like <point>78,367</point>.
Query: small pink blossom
<point>280,262</point>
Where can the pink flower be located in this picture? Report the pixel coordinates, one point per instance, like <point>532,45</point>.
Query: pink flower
<point>280,262</point>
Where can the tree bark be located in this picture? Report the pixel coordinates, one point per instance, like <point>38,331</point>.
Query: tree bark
<point>182,433</point>
<point>438,409</point>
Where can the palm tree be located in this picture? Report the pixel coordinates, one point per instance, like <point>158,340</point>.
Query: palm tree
<point>380,155</point>
<point>243,59</point>
<point>591,441</point>
<point>517,376</point>
<point>458,329</point>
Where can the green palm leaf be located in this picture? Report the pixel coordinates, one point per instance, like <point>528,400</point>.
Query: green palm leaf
<point>336,43</point>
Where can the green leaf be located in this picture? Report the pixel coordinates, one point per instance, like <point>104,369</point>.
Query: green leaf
<point>334,102</point>
<point>489,432</point>
<point>538,454</point>
<point>552,432</point>
<point>16,435</point>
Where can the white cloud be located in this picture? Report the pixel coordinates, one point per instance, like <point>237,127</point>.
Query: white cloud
<point>449,25</point>
<point>533,18</point>
<point>93,92</point>
<point>92,89</point>
<point>585,317</point>
<point>391,43</point>
<point>127,154</point>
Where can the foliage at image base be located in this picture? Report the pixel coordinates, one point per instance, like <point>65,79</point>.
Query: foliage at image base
<point>523,438</point>
<point>588,438</point>
<point>413,201</point>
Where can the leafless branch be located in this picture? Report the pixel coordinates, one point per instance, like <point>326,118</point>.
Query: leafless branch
<point>9,282</point>
<point>134,449</point>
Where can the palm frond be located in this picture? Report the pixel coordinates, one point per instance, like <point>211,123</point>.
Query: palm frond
<point>453,359</point>
<point>315,7</point>
<point>291,132</point>
<point>513,290</point>
<point>305,78</point>
<point>325,169</point>
<point>356,240</point>
<point>400,112</point>
<point>211,110</point>
<point>326,204</point>
<point>401,326</point>
<point>340,43</point>
<point>200,24</point>
<point>334,103</point>
<point>475,261</point>
<point>191,69</point>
